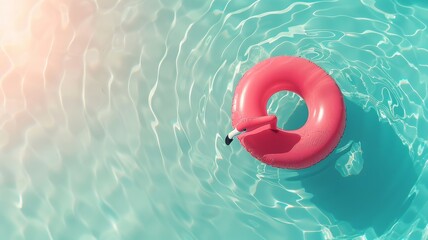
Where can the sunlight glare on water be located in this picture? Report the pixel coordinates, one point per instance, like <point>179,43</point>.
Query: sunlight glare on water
<point>113,116</point>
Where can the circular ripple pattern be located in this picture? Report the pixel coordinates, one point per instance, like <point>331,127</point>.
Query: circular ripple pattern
<point>113,113</point>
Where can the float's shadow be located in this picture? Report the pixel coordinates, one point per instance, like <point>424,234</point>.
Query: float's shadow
<point>377,196</point>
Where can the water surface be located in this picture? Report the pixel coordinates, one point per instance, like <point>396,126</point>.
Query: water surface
<point>113,114</point>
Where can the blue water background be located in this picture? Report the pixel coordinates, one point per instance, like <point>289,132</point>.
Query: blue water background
<point>129,140</point>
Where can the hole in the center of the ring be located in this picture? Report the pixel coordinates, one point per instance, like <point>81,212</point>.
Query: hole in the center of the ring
<point>290,109</point>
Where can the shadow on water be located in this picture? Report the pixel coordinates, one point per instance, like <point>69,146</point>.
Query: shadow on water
<point>377,196</point>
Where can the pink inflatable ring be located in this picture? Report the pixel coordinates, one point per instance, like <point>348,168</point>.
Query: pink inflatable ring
<point>294,149</point>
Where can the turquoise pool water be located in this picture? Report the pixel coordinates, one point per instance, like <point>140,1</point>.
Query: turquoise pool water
<point>113,116</point>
